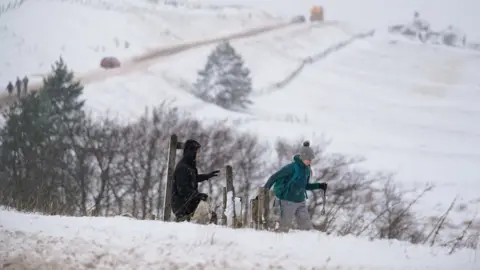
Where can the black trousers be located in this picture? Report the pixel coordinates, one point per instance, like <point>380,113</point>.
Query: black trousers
<point>186,212</point>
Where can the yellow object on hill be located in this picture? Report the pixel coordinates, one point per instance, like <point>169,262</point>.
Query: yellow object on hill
<point>316,13</point>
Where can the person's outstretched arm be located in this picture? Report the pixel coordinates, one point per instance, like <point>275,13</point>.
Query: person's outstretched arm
<point>206,176</point>
<point>315,186</point>
<point>202,177</point>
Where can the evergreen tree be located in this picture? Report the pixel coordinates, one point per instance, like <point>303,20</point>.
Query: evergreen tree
<point>225,80</point>
<point>60,94</point>
<point>36,139</point>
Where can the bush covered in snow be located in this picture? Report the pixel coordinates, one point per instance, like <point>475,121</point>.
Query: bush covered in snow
<point>421,30</point>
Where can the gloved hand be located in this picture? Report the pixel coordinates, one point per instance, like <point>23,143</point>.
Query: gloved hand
<point>323,186</point>
<point>213,174</point>
<point>202,196</point>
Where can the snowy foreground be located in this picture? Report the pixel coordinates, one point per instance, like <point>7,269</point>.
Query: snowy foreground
<point>55,242</point>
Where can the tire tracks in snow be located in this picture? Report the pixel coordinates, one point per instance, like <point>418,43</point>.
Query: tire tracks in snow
<point>310,60</point>
<point>149,58</point>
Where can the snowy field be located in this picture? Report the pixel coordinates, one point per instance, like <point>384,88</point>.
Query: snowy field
<point>54,242</point>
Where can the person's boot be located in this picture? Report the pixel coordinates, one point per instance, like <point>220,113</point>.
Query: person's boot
<point>214,218</point>
<point>182,218</point>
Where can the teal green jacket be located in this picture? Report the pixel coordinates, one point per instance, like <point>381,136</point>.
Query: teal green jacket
<point>296,192</point>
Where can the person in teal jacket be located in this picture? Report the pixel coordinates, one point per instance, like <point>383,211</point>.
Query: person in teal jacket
<point>290,185</point>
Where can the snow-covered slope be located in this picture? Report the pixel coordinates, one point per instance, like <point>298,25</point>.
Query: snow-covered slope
<point>55,242</point>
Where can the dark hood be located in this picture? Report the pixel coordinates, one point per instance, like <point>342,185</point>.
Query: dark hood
<point>190,150</point>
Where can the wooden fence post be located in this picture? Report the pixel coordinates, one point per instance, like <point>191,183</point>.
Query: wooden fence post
<point>229,178</point>
<point>266,209</point>
<point>224,217</point>
<point>172,153</point>
<point>246,210</point>
<point>260,208</point>
<point>243,209</point>
<point>263,209</point>
<point>231,188</point>
<point>252,214</point>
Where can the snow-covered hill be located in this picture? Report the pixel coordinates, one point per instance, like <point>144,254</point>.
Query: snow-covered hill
<point>55,242</point>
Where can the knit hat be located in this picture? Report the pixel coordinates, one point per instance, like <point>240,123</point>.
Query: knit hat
<point>191,146</point>
<point>305,152</point>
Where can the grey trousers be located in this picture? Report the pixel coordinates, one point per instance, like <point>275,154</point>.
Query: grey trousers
<point>287,210</point>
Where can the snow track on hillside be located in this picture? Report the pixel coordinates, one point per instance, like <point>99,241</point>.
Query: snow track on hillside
<point>310,60</point>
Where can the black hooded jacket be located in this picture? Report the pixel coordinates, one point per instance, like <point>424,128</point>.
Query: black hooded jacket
<point>185,195</point>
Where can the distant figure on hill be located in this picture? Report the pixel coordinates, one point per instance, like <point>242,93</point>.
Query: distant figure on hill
<point>185,194</point>
<point>419,24</point>
<point>18,85</point>
<point>25,85</point>
<point>10,88</point>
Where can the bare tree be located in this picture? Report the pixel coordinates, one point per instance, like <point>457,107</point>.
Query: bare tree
<point>394,218</point>
<point>250,161</point>
<point>106,138</point>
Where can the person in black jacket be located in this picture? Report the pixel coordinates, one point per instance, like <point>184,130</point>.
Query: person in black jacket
<point>185,194</point>
<point>18,85</point>
<point>10,88</point>
<point>25,85</point>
